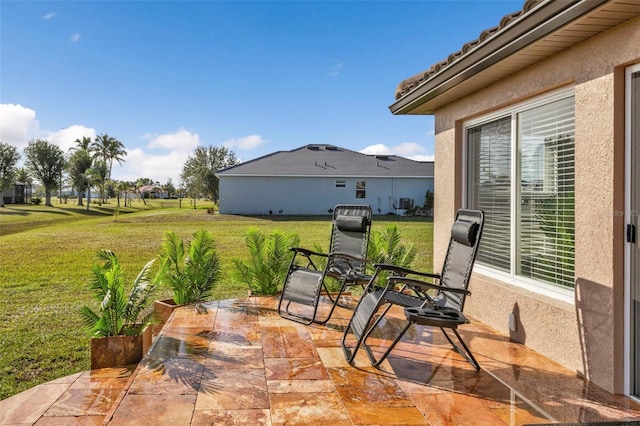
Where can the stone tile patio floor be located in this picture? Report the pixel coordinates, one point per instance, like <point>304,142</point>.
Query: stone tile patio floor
<point>241,364</point>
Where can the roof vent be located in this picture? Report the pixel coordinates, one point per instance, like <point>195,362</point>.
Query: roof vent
<point>331,148</point>
<point>313,147</point>
<point>382,157</point>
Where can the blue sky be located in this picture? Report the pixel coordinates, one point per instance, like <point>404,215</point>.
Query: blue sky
<point>166,76</point>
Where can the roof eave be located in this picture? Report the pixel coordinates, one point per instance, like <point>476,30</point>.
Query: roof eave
<point>545,18</point>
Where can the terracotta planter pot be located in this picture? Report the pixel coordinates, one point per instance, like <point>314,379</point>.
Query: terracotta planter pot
<point>117,351</point>
<point>162,310</point>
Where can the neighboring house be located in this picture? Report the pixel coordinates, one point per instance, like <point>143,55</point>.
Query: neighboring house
<point>537,123</point>
<point>19,193</point>
<point>312,179</point>
<point>153,191</point>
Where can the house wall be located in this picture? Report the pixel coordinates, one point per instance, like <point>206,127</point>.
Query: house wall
<point>313,196</point>
<point>587,334</point>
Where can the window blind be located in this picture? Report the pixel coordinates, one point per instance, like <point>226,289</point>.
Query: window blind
<point>489,188</point>
<point>546,225</point>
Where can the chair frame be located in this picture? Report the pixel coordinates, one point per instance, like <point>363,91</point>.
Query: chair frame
<point>355,275</point>
<point>420,306</point>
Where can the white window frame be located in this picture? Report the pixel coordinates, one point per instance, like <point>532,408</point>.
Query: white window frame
<point>363,190</point>
<point>627,219</point>
<point>553,291</point>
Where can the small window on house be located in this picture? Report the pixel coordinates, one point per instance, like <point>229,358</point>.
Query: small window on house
<point>340,184</point>
<point>361,187</point>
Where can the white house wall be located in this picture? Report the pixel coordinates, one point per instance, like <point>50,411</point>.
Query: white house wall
<point>313,196</point>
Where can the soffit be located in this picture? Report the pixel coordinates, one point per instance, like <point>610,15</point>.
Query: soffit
<point>603,18</point>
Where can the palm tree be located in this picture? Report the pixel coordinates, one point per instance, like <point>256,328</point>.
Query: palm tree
<point>78,165</point>
<point>109,149</point>
<point>82,145</point>
<point>95,175</point>
<point>116,152</point>
<point>23,175</point>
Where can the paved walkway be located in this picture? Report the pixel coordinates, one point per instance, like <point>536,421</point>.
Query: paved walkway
<point>241,364</point>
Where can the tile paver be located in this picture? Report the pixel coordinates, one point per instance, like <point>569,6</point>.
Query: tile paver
<point>241,364</point>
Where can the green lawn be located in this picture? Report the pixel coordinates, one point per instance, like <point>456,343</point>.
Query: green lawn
<point>46,254</point>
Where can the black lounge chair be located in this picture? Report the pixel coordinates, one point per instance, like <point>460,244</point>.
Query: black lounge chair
<point>345,262</point>
<point>438,303</point>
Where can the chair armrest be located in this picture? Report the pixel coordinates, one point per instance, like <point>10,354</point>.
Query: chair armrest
<point>404,271</point>
<point>427,286</point>
<point>307,252</point>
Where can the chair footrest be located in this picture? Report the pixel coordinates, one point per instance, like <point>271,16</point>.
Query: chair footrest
<point>435,317</point>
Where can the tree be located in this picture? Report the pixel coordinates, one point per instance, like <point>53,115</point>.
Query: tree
<point>107,149</point>
<point>198,172</point>
<point>23,175</point>
<point>93,175</point>
<point>99,173</point>
<point>171,190</point>
<point>78,165</point>
<point>428,203</point>
<point>46,161</point>
<point>83,144</point>
<point>9,157</point>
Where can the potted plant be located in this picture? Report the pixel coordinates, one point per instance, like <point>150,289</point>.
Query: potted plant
<point>192,271</point>
<point>120,328</point>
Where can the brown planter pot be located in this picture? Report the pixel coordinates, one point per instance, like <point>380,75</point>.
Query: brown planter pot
<point>117,351</point>
<point>162,310</point>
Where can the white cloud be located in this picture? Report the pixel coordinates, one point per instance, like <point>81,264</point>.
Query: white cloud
<point>409,150</point>
<point>180,141</point>
<point>159,167</point>
<point>65,138</point>
<point>335,70</point>
<point>48,16</point>
<point>378,149</point>
<point>18,125</point>
<point>75,38</point>
<point>163,159</point>
<point>422,157</point>
<point>247,142</point>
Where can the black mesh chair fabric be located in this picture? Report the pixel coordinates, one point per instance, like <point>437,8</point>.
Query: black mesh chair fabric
<point>345,262</point>
<point>435,300</point>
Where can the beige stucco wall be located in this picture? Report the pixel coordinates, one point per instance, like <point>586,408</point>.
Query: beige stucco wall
<point>585,336</point>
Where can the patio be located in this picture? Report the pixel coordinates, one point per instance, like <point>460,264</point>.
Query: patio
<point>240,363</point>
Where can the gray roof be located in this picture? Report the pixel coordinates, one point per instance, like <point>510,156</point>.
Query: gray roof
<point>330,161</point>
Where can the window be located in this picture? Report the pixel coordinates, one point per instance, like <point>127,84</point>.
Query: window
<point>340,184</point>
<point>361,187</point>
<point>520,171</point>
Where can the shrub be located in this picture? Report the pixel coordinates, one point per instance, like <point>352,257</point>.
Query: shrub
<point>269,260</point>
<point>192,274</point>
<point>387,247</point>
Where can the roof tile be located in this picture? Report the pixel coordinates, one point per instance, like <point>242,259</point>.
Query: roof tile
<point>410,83</point>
